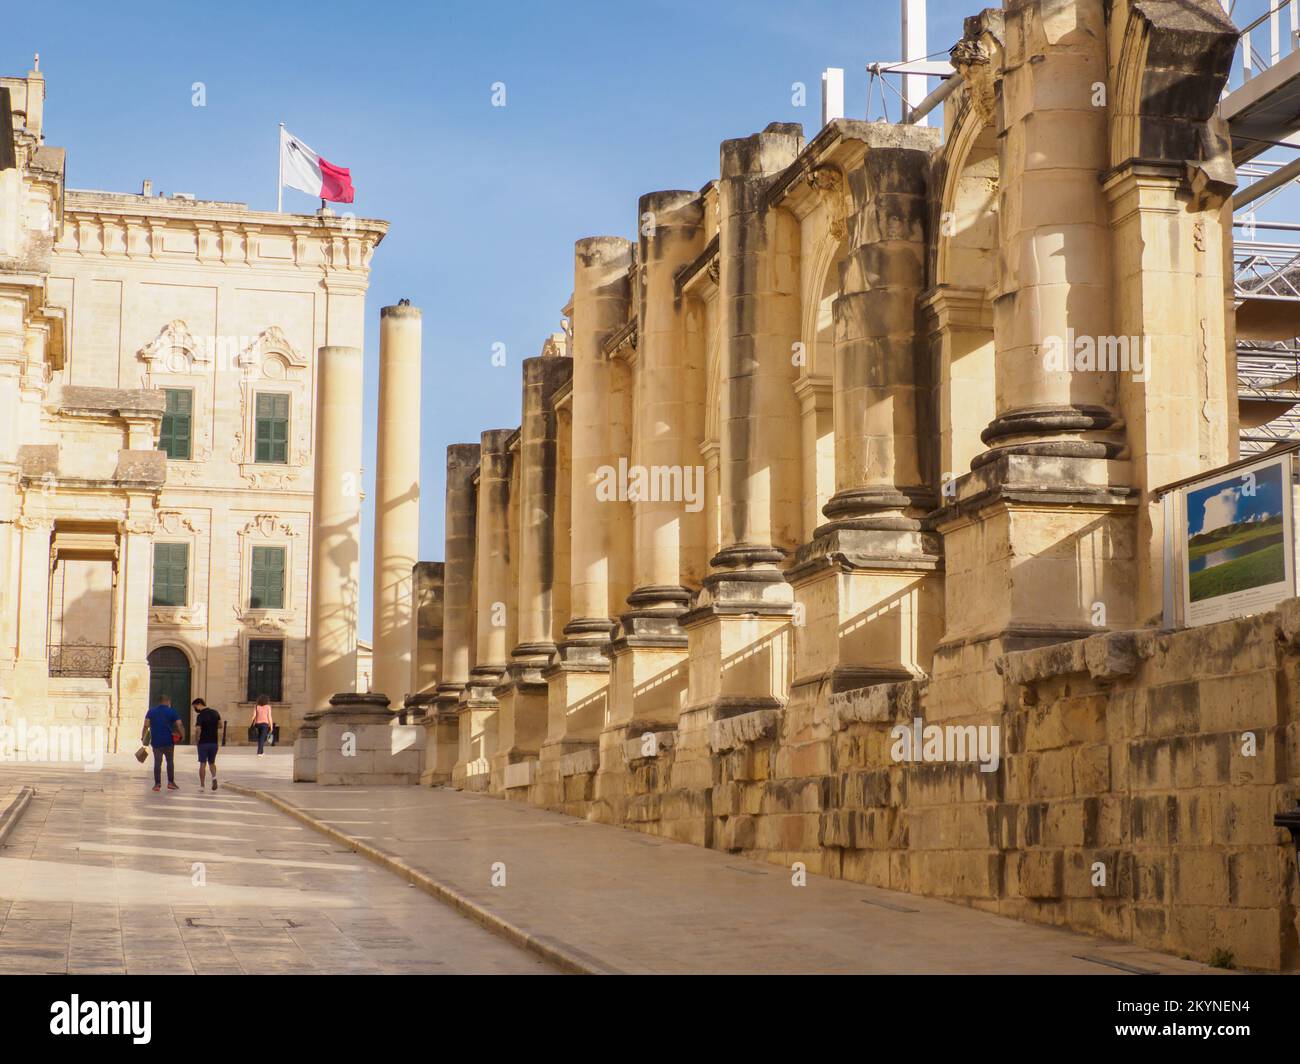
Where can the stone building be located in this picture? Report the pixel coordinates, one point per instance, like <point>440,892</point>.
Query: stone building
<point>158,408</point>
<point>828,449</point>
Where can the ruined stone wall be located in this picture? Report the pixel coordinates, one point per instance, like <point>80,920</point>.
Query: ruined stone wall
<point>1139,775</point>
<point>901,509</point>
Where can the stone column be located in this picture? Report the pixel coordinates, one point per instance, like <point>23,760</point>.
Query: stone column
<point>759,298</point>
<point>667,476</point>
<point>665,434</point>
<point>600,307</point>
<point>739,632</point>
<point>397,500</point>
<point>335,527</point>
<point>1041,531</point>
<point>492,576</point>
<point>458,574</point>
<point>426,662</point>
<point>884,454</point>
<point>523,695</point>
<point>1053,285</point>
<point>599,531</point>
<point>868,579</point>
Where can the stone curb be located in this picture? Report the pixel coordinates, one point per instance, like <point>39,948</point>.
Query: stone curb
<point>13,812</point>
<point>564,958</point>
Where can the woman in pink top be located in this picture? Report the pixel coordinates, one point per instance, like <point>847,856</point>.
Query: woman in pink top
<point>262,721</point>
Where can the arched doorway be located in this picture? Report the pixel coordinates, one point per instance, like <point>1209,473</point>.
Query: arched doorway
<point>169,674</point>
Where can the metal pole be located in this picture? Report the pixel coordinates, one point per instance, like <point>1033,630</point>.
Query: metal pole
<point>279,185</point>
<point>1264,185</point>
<point>913,41</point>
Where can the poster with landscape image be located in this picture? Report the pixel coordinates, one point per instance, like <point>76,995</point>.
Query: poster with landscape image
<point>1239,552</point>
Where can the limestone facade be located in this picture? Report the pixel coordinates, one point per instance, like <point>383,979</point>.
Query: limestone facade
<point>135,322</point>
<point>805,466</point>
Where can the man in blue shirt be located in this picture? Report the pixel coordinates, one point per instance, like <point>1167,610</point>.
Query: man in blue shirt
<point>162,727</point>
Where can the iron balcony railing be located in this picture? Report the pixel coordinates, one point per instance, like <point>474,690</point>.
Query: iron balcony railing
<point>85,660</point>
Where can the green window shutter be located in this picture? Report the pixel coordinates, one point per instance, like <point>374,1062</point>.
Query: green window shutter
<point>266,586</point>
<point>171,564</point>
<point>266,669</point>
<point>178,418</point>
<point>271,433</point>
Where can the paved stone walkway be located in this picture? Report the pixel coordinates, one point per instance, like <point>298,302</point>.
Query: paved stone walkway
<point>102,876</point>
<point>628,902</point>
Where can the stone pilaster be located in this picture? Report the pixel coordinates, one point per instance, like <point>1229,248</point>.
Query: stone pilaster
<point>397,500</point>
<point>523,694</point>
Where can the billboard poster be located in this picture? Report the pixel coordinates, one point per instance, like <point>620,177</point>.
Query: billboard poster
<point>1238,553</point>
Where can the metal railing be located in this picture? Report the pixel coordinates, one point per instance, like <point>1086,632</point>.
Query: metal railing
<point>84,660</point>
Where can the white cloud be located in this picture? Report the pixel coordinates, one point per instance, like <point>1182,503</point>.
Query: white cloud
<point>1220,510</point>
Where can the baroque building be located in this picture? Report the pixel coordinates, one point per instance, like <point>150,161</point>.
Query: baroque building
<point>815,458</point>
<point>158,406</point>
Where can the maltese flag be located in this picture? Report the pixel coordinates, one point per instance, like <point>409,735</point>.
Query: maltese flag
<point>303,169</point>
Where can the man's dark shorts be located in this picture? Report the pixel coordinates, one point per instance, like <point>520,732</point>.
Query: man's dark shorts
<point>207,753</point>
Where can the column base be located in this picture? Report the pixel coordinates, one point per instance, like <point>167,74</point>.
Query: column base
<point>869,607</point>
<point>359,743</point>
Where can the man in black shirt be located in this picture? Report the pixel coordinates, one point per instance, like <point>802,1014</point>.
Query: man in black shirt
<point>207,720</point>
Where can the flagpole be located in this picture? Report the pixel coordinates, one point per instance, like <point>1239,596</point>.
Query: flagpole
<point>279,188</point>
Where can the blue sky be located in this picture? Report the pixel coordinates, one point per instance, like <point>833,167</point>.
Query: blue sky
<point>605,101</point>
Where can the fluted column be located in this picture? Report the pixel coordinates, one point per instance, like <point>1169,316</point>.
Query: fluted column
<point>458,573</point>
<point>600,438</point>
<point>668,508</point>
<point>397,500</point>
<point>335,527</point>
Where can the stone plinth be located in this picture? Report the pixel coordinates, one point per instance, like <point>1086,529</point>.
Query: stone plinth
<point>359,743</point>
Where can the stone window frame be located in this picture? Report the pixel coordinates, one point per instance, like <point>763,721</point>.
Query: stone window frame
<point>270,363</point>
<point>253,570</point>
<point>266,530</point>
<point>178,360</point>
<point>178,526</point>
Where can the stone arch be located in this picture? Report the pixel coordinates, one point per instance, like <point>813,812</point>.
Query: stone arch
<point>1168,65</point>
